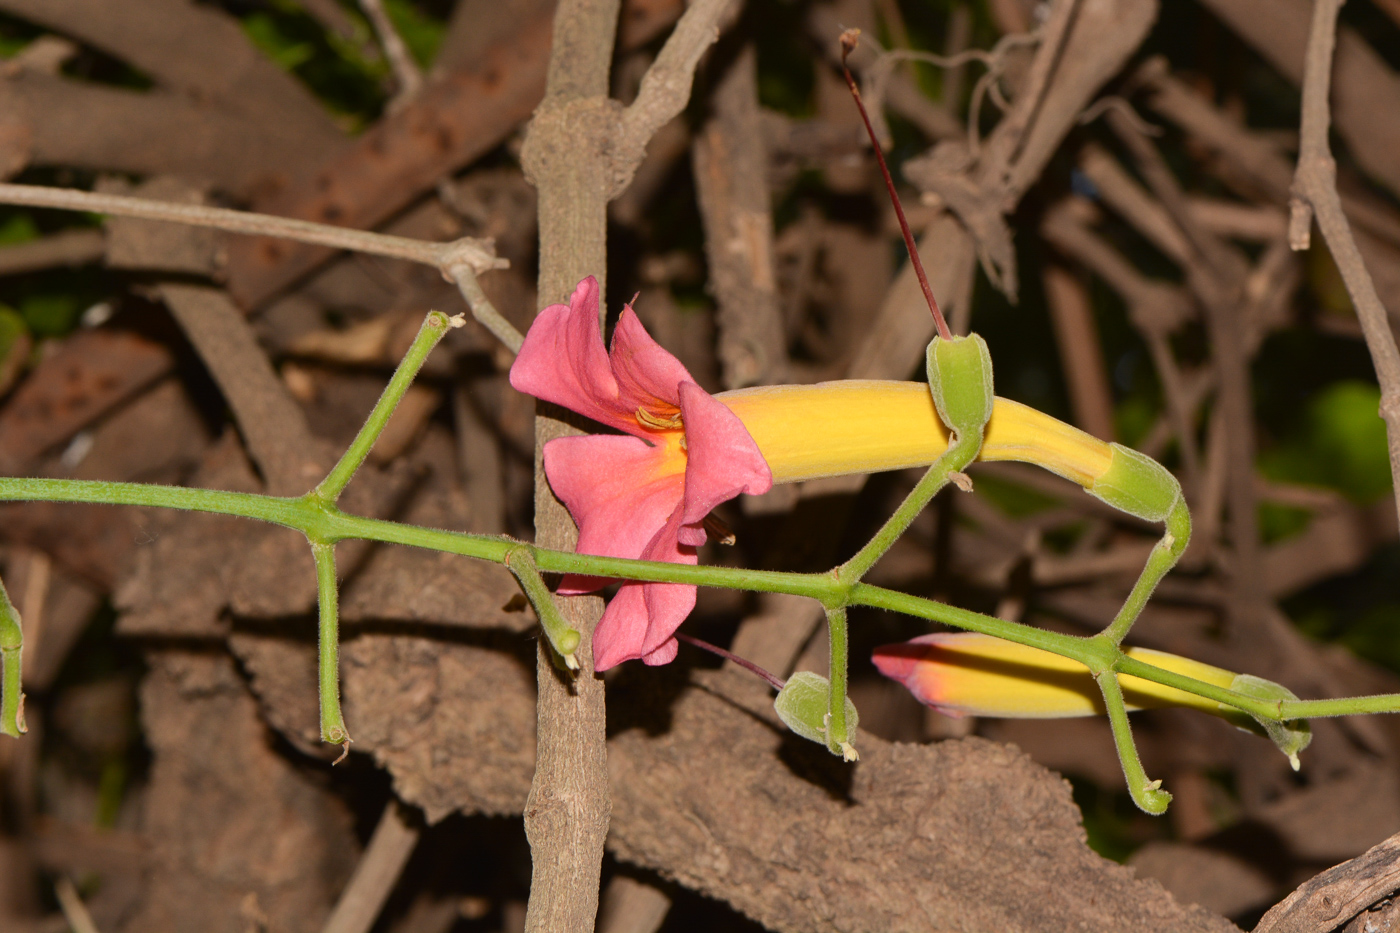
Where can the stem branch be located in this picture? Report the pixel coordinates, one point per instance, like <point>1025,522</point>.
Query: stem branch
<point>328,663</point>
<point>434,327</point>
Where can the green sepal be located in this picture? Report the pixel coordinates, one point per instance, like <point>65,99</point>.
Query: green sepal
<point>1291,736</point>
<point>960,378</point>
<point>1137,484</point>
<point>802,704</point>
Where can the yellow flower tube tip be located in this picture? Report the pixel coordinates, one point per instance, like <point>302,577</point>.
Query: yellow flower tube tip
<point>970,674</point>
<point>867,426</point>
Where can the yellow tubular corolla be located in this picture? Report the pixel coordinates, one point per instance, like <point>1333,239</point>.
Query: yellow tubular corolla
<point>866,426</point>
<point>978,675</point>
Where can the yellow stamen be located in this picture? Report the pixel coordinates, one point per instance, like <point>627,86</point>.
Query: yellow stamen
<point>719,532</point>
<point>667,422</point>
<point>866,426</point>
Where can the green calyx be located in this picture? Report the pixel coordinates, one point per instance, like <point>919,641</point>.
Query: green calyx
<point>802,706</point>
<point>960,378</point>
<point>1290,736</point>
<point>1137,484</point>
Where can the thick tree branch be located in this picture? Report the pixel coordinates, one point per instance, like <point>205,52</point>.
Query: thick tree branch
<point>565,157</point>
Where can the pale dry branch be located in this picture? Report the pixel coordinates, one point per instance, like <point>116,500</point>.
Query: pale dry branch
<point>395,837</point>
<point>74,910</point>
<point>1081,355</point>
<point>220,218</point>
<point>459,260</point>
<point>1315,195</point>
<point>665,88</point>
<point>407,75</point>
<point>1363,88</point>
<point>66,248</point>
<point>1332,898</point>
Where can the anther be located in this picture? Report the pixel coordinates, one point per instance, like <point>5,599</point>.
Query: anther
<point>660,422</point>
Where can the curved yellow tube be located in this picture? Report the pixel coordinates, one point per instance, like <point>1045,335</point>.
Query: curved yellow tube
<point>866,426</point>
<point>965,673</point>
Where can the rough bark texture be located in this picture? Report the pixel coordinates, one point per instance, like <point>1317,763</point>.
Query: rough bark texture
<point>565,157</point>
<point>243,833</point>
<point>731,166</point>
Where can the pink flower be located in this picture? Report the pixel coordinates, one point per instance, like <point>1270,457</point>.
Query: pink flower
<point>644,494</point>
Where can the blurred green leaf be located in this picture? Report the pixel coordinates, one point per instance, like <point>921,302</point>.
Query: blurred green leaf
<point>421,33</point>
<point>283,49</point>
<point>1015,500</point>
<point>1340,443</point>
<point>51,315</point>
<point>1133,418</point>
<point>1375,635</point>
<point>17,228</point>
<point>1277,522</point>
<point>331,67</point>
<point>12,328</point>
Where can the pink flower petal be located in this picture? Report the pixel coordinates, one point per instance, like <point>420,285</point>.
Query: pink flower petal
<point>647,375</point>
<point>663,655</point>
<point>622,629</point>
<point>723,459</point>
<point>563,361</point>
<point>640,622</point>
<point>642,618</point>
<point>619,491</point>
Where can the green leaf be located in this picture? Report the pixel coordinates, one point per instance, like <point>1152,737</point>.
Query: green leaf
<point>286,51</point>
<point>12,328</point>
<point>1340,442</point>
<point>51,315</point>
<point>18,228</point>
<point>422,34</point>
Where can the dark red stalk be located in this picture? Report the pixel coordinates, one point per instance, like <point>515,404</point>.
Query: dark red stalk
<point>728,656</point>
<point>849,38</point>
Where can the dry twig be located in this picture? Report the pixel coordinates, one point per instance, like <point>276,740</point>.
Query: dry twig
<point>407,74</point>
<point>1315,194</point>
<point>459,260</point>
<point>394,840</point>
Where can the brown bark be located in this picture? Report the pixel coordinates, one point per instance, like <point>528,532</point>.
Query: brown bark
<point>199,52</point>
<point>731,163</point>
<point>452,121</point>
<point>51,120</point>
<point>565,157</point>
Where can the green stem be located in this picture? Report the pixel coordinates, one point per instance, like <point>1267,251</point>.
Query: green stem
<point>1162,559</point>
<point>328,668</point>
<point>563,638</point>
<point>434,326</point>
<point>838,738</point>
<point>323,522</point>
<point>1345,706</point>
<point>959,454</point>
<point>1146,794</point>
<point>11,663</point>
<point>1268,709</point>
